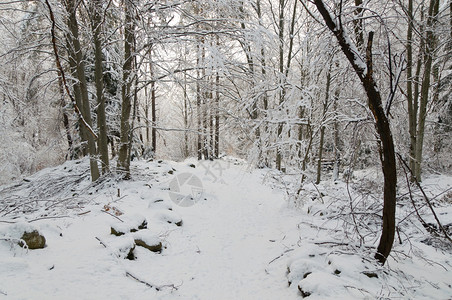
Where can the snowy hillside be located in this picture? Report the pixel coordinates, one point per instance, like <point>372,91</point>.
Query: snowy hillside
<point>226,231</point>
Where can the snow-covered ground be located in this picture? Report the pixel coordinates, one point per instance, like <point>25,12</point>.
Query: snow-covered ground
<point>242,237</point>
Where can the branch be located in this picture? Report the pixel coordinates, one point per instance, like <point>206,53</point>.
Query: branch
<point>60,68</point>
<point>369,54</point>
<point>426,198</point>
<point>157,288</point>
<point>349,49</point>
<point>395,84</point>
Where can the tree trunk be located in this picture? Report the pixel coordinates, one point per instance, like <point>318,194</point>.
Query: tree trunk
<point>204,97</point>
<point>387,153</point>
<point>80,69</point>
<point>198,100</point>
<point>425,87</point>
<point>412,112</point>
<point>153,112</point>
<point>262,156</point>
<point>185,113</point>
<point>358,24</point>
<point>67,128</point>
<point>337,155</point>
<point>135,107</point>
<point>281,80</point>
<point>72,60</point>
<point>322,128</point>
<point>123,161</point>
<point>102,141</point>
<point>217,113</point>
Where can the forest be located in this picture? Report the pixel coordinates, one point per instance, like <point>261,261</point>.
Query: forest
<point>322,126</point>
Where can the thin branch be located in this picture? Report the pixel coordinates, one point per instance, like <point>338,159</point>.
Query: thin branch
<point>427,200</point>
<point>112,215</point>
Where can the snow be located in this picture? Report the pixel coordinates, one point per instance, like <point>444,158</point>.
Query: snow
<point>16,231</point>
<point>241,239</point>
<point>149,238</point>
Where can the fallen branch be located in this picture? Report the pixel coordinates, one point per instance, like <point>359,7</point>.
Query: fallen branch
<point>278,257</point>
<point>84,213</point>
<point>411,198</point>
<point>102,243</point>
<point>128,274</point>
<point>48,218</point>
<point>157,288</point>
<point>112,215</point>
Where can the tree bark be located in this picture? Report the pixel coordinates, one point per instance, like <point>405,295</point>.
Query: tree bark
<point>124,147</point>
<point>217,113</point>
<point>425,87</point>
<point>281,80</point>
<point>262,156</point>
<point>80,70</point>
<point>322,128</point>
<point>198,100</point>
<point>102,142</point>
<point>153,107</point>
<point>412,112</point>
<point>337,155</point>
<point>67,128</point>
<point>72,60</point>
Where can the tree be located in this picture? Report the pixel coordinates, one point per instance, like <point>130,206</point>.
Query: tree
<point>419,84</point>
<point>126,92</point>
<point>76,56</point>
<point>425,86</point>
<point>387,154</point>
<point>96,24</point>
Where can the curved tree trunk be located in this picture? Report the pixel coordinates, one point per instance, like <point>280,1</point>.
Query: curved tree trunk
<point>387,154</point>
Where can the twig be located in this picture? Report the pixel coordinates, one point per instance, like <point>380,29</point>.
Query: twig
<point>84,213</point>
<point>288,250</point>
<point>343,244</point>
<point>102,243</point>
<point>112,215</point>
<point>320,194</point>
<point>398,235</point>
<point>128,274</point>
<point>50,217</point>
<point>426,199</point>
<point>412,200</point>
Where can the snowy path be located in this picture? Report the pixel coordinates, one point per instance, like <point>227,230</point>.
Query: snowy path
<point>225,247</point>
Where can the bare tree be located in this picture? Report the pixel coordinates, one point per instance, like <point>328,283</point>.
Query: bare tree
<point>102,143</point>
<point>387,155</point>
<point>77,59</point>
<point>126,105</point>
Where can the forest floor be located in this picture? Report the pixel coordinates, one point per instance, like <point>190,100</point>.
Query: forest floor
<point>244,235</point>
